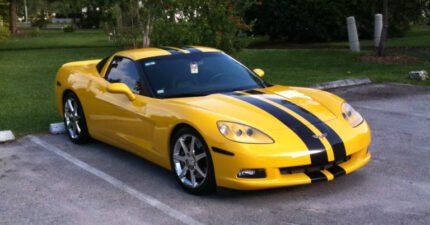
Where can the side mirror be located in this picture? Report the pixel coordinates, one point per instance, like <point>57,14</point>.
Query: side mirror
<point>259,72</point>
<point>121,88</point>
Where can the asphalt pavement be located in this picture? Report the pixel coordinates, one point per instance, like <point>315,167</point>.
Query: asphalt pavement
<point>45,179</point>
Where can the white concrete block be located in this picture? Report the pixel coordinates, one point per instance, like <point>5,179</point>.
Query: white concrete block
<point>354,43</point>
<point>419,75</point>
<point>378,29</point>
<point>6,136</point>
<point>57,128</point>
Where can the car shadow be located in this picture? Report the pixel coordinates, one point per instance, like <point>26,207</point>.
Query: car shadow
<point>118,163</point>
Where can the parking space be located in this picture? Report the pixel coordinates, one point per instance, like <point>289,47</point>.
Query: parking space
<point>45,179</point>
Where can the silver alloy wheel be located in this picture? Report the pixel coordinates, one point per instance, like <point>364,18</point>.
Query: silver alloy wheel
<point>190,161</point>
<point>72,117</point>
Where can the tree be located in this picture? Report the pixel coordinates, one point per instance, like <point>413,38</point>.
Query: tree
<point>324,20</point>
<point>4,8</point>
<point>134,21</point>
<point>148,11</point>
<point>13,18</point>
<point>216,23</point>
<point>427,10</point>
<point>4,31</point>
<point>381,47</point>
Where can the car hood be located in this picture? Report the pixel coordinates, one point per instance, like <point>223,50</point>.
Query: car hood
<point>241,107</point>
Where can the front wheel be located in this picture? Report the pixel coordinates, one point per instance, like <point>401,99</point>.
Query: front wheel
<point>192,162</point>
<point>74,119</point>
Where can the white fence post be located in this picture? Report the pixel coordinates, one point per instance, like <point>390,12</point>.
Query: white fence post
<point>378,29</point>
<point>354,43</point>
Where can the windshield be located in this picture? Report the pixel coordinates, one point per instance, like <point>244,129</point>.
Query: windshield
<point>197,74</point>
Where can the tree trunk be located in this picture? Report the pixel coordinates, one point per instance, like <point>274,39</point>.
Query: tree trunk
<point>427,12</point>
<point>13,26</point>
<point>26,11</point>
<point>381,48</point>
<point>147,31</point>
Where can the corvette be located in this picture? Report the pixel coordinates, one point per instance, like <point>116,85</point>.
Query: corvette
<point>210,120</point>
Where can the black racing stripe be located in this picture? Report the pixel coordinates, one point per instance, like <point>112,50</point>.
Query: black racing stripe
<point>254,92</point>
<point>301,130</point>
<point>293,107</point>
<point>171,50</point>
<point>334,140</point>
<point>191,49</point>
<point>316,176</point>
<point>337,171</point>
<point>332,137</point>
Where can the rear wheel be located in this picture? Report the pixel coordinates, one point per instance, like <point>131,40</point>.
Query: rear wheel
<point>74,119</point>
<point>192,162</point>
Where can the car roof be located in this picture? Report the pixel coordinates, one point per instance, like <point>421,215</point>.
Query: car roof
<point>142,53</point>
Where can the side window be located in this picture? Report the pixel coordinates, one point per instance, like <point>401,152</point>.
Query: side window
<point>123,70</point>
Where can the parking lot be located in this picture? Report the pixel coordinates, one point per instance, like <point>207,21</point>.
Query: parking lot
<point>45,179</point>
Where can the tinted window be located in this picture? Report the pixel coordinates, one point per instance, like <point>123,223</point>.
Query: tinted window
<point>123,70</point>
<point>197,74</point>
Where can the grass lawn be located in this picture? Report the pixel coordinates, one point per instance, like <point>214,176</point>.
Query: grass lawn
<point>57,39</point>
<point>333,61</point>
<point>28,65</point>
<point>303,67</point>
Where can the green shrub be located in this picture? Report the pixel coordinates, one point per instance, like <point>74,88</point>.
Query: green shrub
<point>4,33</point>
<point>40,21</point>
<point>68,29</point>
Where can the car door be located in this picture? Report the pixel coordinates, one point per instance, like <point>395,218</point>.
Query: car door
<point>118,120</point>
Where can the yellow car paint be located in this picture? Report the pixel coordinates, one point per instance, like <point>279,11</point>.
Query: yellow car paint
<point>144,125</point>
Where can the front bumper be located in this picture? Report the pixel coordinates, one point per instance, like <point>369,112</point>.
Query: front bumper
<point>280,162</point>
<point>276,177</point>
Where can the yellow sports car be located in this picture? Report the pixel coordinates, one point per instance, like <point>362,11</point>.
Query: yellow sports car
<point>209,119</point>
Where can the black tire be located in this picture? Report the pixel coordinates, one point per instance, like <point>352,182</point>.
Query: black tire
<point>193,163</point>
<point>81,135</point>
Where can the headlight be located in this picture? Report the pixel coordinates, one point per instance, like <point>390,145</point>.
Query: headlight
<point>242,133</point>
<point>349,114</point>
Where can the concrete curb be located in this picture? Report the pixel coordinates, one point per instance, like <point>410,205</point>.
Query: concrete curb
<point>6,136</point>
<point>342,83</point>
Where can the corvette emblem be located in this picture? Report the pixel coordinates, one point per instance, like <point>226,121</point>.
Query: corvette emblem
<point>322,136</point>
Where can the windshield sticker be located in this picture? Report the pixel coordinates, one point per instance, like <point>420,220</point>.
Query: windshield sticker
<point>194,68</point>
<point>161,91</point>
<point>150,63</point>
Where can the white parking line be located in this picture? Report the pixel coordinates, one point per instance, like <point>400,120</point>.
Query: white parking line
<point>175,214</point>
